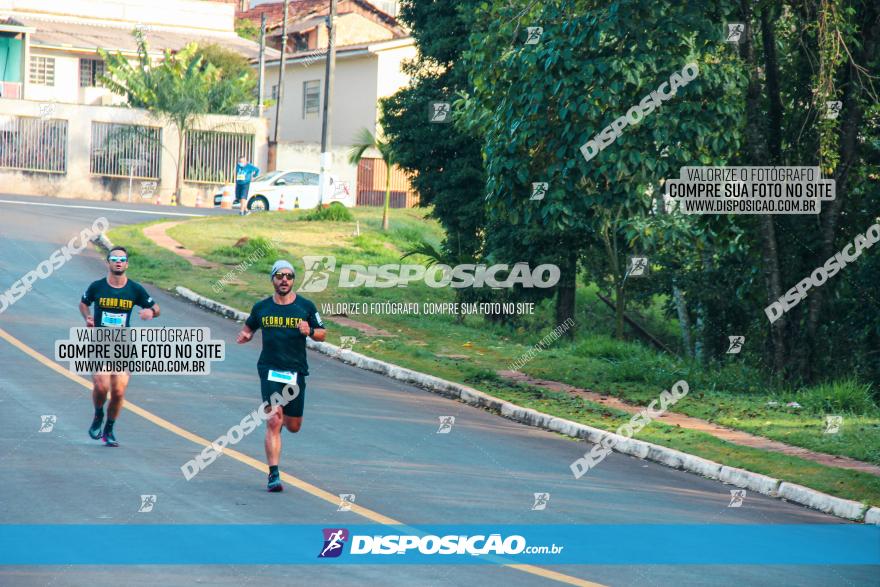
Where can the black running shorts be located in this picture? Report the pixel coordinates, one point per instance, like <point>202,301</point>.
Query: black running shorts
<point>294,408</point>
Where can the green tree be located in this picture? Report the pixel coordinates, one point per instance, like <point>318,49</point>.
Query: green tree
<point>180,89</point>
<point>364,141</point>
<point>247,29</point>
<point>536,104</point>
<point>230,64</point>
<point>444,160</point>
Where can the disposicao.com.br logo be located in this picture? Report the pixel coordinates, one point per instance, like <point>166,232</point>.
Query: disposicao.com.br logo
<point>453,544</point>
<point>320,268</point>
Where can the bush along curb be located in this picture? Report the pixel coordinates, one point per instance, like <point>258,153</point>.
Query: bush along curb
<point>842,508</point>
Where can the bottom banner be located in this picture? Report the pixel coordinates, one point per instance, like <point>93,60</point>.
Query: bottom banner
<point>717,544</point>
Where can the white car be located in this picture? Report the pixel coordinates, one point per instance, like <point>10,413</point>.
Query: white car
<point>298,188</point>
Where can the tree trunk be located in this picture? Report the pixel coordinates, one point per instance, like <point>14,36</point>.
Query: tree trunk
<point>619,309</point>
<point>387,196</point>
<point>702,346</point>
<point>772,270</point>
<point>684,321</point>
<point>758,153</point>
<point>565,294</point>
<point>181,149</point>
<point>619,279</point>
<point>852,121</point>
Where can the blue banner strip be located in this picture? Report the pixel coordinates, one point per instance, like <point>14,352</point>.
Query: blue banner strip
<point>715,544</point>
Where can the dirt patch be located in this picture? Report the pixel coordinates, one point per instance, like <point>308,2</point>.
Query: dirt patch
<point>157,234</point>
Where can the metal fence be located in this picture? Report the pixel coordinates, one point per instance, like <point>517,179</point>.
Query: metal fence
<point>371,179</point>
<point>125,150</point>
<point>211,155</point>
<point>33,144</point>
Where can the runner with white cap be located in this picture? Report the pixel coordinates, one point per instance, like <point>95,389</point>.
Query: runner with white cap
<point>287,319</point>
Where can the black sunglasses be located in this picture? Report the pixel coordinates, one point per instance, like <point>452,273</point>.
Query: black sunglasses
<point>287,276</point>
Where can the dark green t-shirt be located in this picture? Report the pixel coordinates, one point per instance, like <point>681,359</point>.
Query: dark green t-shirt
<point>284,346</point>
<point>113,305</point>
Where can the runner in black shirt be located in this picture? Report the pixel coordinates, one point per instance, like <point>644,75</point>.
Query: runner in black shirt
<point>114,298</point>
<point>286,319</point>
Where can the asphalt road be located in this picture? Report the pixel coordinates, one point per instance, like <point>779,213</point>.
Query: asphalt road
<point>363,434</point>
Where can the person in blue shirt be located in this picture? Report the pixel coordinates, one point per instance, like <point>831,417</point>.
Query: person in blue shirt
<point>244,173</point>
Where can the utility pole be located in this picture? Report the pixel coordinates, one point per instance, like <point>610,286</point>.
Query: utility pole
<point>261,91</point>
<point>328,93</point>
<point>273,148</point>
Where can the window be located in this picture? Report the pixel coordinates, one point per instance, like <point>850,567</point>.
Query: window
<point>120,150</point>
<point>311,178</point>
<point>274,91</point>
<point>311,97</point>
<point>300,43</point>
<point>42,71</point>
<point>293,178</point>
<point>89,72</point>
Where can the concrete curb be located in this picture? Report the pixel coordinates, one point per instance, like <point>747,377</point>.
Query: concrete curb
<point>222,309</point>
<point>842,508</point>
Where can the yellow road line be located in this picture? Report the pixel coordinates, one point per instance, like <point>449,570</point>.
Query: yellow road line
<point>243,458</point>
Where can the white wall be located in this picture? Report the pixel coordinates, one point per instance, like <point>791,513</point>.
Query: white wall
<point>358,84</point>
<point>354,99</point>
<point>79,183</point>
<point>390,74</point>
<point>66,88</point>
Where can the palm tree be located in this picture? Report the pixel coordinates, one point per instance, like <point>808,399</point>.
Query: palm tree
<point>365,140</point>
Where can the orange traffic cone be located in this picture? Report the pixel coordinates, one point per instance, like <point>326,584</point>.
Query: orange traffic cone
<point>281,203</point>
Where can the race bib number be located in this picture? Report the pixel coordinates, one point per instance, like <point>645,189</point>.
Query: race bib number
<point>240,177</point>
<point>113,320</point>
<point>282,376</point>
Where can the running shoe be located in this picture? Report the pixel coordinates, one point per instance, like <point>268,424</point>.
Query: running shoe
<point>95,430</point>
<point>109,439</point>
<point>274,483</point>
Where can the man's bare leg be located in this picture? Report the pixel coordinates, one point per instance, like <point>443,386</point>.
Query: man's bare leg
<point>118,384</point>
<point>100,389</point>
<point>273,443</point>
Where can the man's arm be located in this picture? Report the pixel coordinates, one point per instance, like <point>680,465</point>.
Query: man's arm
<point>150,307</point>
<point>313,326</point>
<point>245,335</point>
<point>150,313</point>
<point>251,325</point>
<point>86,314</point>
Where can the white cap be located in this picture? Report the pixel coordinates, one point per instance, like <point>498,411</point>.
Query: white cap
<point>282,264</point>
